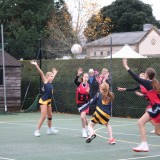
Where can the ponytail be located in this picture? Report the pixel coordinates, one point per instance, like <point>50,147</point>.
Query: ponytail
<point>156,85</point>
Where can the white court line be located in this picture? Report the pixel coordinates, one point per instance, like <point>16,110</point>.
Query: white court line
<point>124,133</point>
<point>6,158</point>
<point>95,131</point>
<point>79,129</point>
<point>141,157</point>
<point>122,140</point>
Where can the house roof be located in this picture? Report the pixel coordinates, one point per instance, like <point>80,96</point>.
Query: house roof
<point>119,39</point>
<point>9,60</point>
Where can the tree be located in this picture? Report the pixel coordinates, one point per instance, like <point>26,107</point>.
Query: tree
<point>81,11</point>
<point>25,23</point>
<point>62,35</point>
<point>129,15</point>
<point>98,27</point>
<point>120,16</point>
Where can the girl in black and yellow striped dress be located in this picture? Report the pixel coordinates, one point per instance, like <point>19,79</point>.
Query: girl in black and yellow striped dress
<point>102,114</point>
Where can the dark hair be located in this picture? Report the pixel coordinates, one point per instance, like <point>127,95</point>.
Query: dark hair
<point>151,73</point>
<point>83,75</point>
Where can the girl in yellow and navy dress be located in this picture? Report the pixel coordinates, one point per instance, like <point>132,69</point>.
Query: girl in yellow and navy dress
<point>45,100</point>
<point>82,96</point>
<point>102,114</point>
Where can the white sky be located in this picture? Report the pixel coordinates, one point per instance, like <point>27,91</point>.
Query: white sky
<point>154,3</point>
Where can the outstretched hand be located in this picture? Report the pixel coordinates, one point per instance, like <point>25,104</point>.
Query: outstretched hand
<point>80,71</point>
<point>54,71</point>
<point>125,64</point>
<point>33,62</point>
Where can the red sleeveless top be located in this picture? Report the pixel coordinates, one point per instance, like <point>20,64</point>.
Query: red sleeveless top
<point>81,95</point>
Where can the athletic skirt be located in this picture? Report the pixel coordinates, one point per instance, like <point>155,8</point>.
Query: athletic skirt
<point>154,112</point>
<point>46,102</point>
<point>100,116</point>
<point>86,110</point>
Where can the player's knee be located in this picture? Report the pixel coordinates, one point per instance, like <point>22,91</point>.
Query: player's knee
<point>49,118</point>
<point>139,122</point>
<point>83,116</point>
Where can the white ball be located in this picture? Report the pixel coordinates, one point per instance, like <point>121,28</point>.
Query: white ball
<point>76,49</point>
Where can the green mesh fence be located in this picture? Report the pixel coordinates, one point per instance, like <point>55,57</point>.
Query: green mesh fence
<point>126,104</point>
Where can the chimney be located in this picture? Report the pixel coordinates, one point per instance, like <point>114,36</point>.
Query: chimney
<point>147,27</point>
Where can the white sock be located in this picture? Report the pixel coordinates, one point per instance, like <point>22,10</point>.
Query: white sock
<point>144,143</point>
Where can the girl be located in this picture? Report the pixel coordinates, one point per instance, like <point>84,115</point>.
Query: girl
<point>102,114</point>
<point>104,77</point>
<point>142,93</point>
<point>82,96</point>
<point>153,113</point>
<point>45,100</point>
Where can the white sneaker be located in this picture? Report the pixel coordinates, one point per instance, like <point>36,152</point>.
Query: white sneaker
<point>153,131</point>
<point>141,148</point>
<point>36,133</point>
<point>52,131</point>
<point>84,133</point>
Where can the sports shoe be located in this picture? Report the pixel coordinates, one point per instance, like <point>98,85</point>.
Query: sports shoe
<point>141,148</point>
<point>153,131</point>
<point>84,133</point>
<point>90,138</point>
<point>112,141</point>
<point>36,133</point>
<point>52,131</point>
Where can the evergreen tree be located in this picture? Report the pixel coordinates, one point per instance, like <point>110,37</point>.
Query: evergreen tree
<point>125,16</point>
<point>25,23</point>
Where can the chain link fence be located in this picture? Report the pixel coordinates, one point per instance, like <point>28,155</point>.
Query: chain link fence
<point>126,104</point>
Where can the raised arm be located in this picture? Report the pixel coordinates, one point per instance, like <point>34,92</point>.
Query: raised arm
<point>39,71</point>
<point>144,82</point>
<point>79,72</point>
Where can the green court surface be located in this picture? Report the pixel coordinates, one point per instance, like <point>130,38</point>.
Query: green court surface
<point>17,141</point>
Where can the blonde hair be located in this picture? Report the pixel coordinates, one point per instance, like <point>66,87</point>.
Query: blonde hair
<point>48,74</point>
<point>106,93</point>
<point>104,70</point>
<point>142,74</point>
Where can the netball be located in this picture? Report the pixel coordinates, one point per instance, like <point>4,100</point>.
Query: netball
<point>76,49</point>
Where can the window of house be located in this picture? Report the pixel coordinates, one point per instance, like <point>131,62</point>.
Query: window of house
<point>94,53</point>
<point>1,77</point>
<point>101,53</point>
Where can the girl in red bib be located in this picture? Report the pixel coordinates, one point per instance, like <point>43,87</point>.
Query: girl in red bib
<point>153,113</point>
<point>82,96</point>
